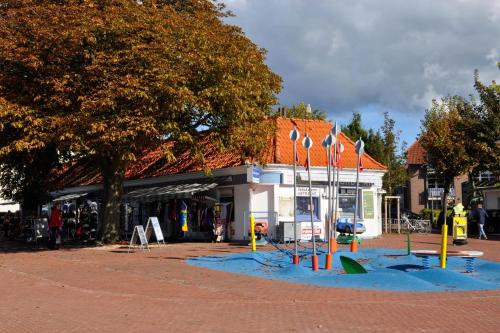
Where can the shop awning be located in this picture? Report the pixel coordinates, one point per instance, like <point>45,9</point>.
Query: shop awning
<point>168,192</point>
<point>68,197</point>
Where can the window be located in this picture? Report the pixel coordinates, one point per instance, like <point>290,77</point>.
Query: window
<point>286,207</point>
<point>347,202</point>
<point>304,208</point>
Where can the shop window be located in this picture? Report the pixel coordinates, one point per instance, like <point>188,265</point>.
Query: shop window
<point>347,205</point>
<point>304,208</point>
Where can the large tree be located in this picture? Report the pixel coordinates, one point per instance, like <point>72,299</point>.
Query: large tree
<point>482,126</point>
<point>106,79</point>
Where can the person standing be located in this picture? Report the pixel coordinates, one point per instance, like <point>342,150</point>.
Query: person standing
<point>7,220</point>
<point>481,219</point>
<point>55,226</point>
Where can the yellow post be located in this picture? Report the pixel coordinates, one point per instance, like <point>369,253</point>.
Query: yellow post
<point>444,241</point>
<point>252,232</point>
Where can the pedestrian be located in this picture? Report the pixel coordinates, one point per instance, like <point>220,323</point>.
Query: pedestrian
<point>481,216</point>
<point>6,223</point>
<point>55,226</point>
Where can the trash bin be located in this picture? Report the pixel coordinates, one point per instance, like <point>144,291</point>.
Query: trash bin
<point>459,226</point>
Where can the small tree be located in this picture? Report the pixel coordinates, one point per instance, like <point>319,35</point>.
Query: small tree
<point>444,143</point>
<point>374,143</point>
<point>396,174</point>
<point>299,111</point>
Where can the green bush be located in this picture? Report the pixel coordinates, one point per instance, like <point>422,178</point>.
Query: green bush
<point>426,215</point>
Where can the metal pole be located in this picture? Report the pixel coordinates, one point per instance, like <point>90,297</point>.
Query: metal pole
<point>385,210</point>
<point>329,214</point>
<point>337,190</point>
<point>357,200</point>
<point>296,251</point>
<point>311,200</point>
<point>294,135</point>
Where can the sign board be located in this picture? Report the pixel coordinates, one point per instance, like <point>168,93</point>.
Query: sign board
<point>287,177</point>
<point>140,235</point>
<point>154,225</point>
<point>253,174</point>
<point>305,231</point>
<point>304,192</point>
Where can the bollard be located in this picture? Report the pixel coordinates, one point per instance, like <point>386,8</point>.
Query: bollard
<point>408,239</point>
<point>444,241</point>
<point>252,233</point>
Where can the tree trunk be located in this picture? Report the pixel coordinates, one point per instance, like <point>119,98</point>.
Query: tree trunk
<point>113,172</point>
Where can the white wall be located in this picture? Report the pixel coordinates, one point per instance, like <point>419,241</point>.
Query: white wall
<point>491,199</point>
<point>241,205</point>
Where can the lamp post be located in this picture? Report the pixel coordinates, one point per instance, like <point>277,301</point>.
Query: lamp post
<point>307,143</point>
<point>294,136</point>
<point>336,207</point>
<point>327,144</point>
<point>360,149</point>
<point>334,132</point>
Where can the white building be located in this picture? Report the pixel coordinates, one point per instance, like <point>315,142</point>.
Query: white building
<point>154,187</point>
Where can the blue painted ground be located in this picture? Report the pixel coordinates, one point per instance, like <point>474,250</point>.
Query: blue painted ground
<point>388,269</point>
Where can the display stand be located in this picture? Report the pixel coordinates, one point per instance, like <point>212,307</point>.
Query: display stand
<point>153,225</point>
<point>141,235</point>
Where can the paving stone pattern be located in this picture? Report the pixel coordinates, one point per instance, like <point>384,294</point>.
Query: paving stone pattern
<point>107,290</point>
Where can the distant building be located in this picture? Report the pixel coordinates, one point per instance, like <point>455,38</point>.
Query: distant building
<point>424,187</point>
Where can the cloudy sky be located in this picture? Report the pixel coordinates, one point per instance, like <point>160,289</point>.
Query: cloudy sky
<point>374,55</point>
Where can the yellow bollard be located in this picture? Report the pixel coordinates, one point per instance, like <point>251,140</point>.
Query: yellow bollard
<point>444,242</point>
<point>252,233</point>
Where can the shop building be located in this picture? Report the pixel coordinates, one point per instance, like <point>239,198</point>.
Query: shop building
<point>235,187</point>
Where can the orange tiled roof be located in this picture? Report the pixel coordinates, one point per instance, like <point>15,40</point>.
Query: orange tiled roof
<point>154,163</point>
<point>317,130</point>
<point>416,154</point>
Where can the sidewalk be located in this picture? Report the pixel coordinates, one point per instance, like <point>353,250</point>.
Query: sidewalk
<point>107,290</point>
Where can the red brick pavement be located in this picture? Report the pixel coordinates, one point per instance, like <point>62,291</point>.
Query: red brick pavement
<point>108,290</point>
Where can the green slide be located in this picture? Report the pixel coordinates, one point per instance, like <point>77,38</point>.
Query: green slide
<point>351,266</point>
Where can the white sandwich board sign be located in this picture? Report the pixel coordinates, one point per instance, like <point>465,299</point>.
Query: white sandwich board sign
<point>154,225</point>
<point>141,235</point>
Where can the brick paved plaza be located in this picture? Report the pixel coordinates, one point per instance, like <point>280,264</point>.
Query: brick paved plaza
<point>107,290</point>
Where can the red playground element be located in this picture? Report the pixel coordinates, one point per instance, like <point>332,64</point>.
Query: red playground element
<point>315,262</point>
<point>354,245</point>
<point>296,259</point>
<point>328,261</point>
<point>333,245</point>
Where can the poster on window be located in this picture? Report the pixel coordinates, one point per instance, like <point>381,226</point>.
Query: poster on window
<point>306,232</point>
<point>368,206</point>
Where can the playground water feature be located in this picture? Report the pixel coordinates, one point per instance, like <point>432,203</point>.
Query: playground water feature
<point>388,269</point>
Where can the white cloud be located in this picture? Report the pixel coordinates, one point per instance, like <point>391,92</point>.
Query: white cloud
<point>395,55</point>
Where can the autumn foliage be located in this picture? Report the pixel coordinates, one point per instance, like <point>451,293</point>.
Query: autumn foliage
<point>106,79</point>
